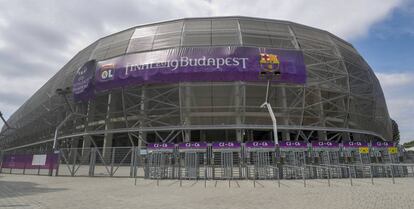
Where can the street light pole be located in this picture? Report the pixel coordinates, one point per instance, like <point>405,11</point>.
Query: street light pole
<point>270,69</point>
<point>267,105</point>
<point>62,92</point>
<point>4,120</point>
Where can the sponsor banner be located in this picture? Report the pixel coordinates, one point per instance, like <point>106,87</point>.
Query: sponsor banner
<point>193,146</point>
<point>28,161</point>
<point>198,65</point>
<point>293,144</point>
<point>226,145</point>
<point>324,144</point>
<point>260,145</point>
<point>83,81</point>
<point>354,144</point>
<point>381,144</point>
<point>160,146</point>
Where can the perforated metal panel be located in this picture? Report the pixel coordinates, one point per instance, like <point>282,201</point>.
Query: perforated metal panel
<point>341,93</point>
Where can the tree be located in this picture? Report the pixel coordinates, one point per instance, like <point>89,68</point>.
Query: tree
<point>395,131</point>
<point>408,144</point>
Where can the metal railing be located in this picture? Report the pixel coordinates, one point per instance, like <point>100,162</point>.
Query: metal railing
<point>130,161</point>
<point>297,168</point>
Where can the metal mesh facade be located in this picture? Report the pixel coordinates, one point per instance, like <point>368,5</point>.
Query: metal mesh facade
<point>341,100</point>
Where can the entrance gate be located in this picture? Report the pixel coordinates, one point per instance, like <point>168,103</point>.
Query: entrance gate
<point>261,160</point>
<point>160,161</point>
<point>325,153</point>
<point>226,160</point>
<point>382,153</point>
<point>293,154</point>
<point>192,160</point>
<point>356,155</point>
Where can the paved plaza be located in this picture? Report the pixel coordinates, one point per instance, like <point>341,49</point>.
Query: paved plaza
<point>26,191</point>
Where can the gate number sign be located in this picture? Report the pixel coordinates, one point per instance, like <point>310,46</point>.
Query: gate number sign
<point>262,144</point>
<point>226,145</point>
<point>193,145</point>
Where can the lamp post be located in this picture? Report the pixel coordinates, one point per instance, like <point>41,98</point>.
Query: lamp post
<point>269,71</point>
<point>62,92</point>
<point>4,120</point>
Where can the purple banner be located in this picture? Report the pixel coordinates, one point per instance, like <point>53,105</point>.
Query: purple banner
<point>260,144</point>
<point>293,144</point>
<point>382,144</point>
<point>29,161</point>
<point>325,144</point>
<point>199,64</point>
<point>83,88</point>
<point>226,145</point>
<point>160,146</point>
<point>355,144</point>
<point>193,145</point>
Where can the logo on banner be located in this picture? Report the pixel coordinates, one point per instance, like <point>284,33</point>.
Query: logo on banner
<point>107,72</point>
<point>269,61</point>
<point>269,66</point>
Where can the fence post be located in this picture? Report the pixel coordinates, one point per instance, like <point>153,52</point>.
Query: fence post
<point>278,178</point>
<point>132,164</point>
<point>112,161</point>
<point>392,174</point>
<point>350,176</point>
<point>1,160</point>
<point>92,161</point>
<point>24,168</point>
<point>329,176</point>
<point>303,176</point>
<point>58,163</point>
<point>73,153</point>
<point>372,176</point>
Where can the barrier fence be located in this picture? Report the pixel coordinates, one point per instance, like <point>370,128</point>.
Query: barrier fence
<point>218,161</point>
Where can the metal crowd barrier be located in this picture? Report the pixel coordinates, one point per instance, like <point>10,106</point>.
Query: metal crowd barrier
<point>255,164</point>
<point>295,169</point>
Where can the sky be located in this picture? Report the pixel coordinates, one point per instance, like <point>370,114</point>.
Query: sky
<point>37,37</point>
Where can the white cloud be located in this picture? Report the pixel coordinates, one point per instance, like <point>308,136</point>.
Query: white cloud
<point>398,90</point>
<point>392,80</point>
<point>347,19</point>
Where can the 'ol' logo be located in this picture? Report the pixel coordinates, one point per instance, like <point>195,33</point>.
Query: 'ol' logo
<point>107,72</point>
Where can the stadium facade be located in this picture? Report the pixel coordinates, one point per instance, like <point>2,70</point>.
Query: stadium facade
<point>199,79</point>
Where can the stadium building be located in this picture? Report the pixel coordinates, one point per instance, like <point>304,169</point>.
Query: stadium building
<point>204,80</point>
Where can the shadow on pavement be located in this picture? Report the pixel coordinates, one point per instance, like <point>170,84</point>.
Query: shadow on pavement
<point>10,189</point>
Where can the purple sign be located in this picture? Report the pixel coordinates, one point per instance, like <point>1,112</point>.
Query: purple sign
<point>83,88</point>
<point>293,144</point>
<point>325,144</point>
<point>226,145</point>
<point>382,144</point>
<point>193,145</point>
<point>199,64</point>
<point>260,144</point>
<point>28,161</point>
<point>160,146</point>
<point>355,144</point>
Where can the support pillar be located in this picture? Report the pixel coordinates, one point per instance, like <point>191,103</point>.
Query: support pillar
<point>238,103</point>
<point>187,112</point>
<point>142,108</point>
<point>89,117</point>
<point>108,137</point>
